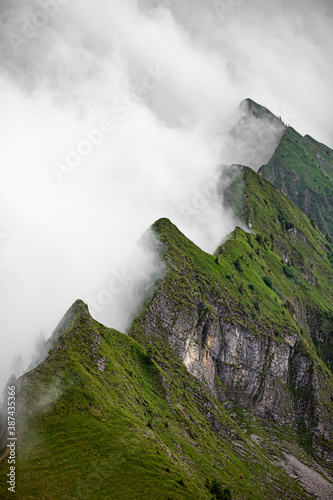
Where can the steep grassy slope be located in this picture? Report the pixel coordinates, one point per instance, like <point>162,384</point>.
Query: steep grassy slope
<point>272,292</point>
<point>304,273</point>
<point>222,374</point>
<point>283,247</point>
<point>84,422</point>
<point>302,168</point>
<point>101,419</point>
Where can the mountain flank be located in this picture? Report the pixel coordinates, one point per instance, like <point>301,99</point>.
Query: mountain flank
<point>222,388</point>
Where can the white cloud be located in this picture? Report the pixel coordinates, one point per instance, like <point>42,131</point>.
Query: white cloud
<point>169,77</point>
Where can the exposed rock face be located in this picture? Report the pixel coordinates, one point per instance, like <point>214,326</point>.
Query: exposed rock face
<point>238,366</point>
<point>246,324</point>
<point>255,370</point>
<point>301,168</point>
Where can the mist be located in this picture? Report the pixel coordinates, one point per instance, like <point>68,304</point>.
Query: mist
<point>114,113</point>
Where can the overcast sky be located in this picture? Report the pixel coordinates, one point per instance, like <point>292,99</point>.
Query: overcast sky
<point>114,113</point>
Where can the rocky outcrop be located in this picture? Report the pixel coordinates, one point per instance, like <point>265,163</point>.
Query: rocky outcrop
<point>272,377</point>
<point>249,320</point>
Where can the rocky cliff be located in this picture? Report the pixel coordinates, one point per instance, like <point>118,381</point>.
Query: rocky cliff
<point>302,168</point>
<point>238,321</point>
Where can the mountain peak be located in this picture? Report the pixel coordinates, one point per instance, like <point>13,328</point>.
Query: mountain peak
<point>77,310</point>
<point>258,111</point>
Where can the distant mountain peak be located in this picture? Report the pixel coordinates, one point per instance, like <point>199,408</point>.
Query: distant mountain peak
<point>258,111</point>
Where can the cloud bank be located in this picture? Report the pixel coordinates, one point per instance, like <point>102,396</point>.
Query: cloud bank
<point>115,113</point>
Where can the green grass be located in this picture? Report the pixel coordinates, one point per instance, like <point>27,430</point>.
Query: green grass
<point>145,427</point>
<point>303,169</point>
<point>86,430</point>
<point>136,430</point>
<point>273,283</point>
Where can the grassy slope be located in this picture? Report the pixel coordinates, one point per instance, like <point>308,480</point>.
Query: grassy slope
<point>302,168</point>
<point>144,429</point>
<point>300,296</point>
<point>293,254</point>
<point>308,282</point>
<point>83,432</point>
<point>249,299</point>
<point>133,431</point>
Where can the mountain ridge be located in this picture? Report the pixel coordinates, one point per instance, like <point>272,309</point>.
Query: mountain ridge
<point>302,169</point>
<point>222,387</point>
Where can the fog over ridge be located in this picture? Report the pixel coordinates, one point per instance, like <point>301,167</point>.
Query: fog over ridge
<point>116,113</point>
